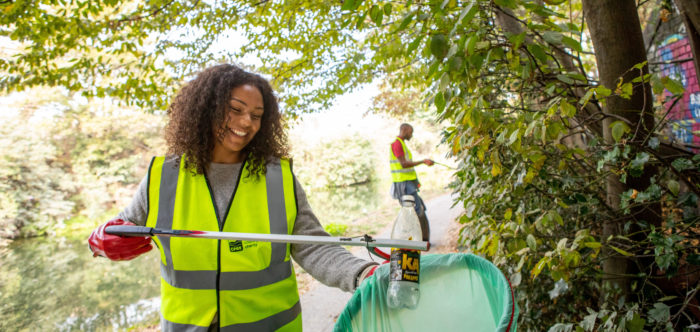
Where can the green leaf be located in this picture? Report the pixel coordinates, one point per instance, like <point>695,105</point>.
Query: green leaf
<point>360,21</point>
<point>682,164</point>
<point>531,242</point>
<point>588,322</point>
<point>387,9</point>
<point>674,187</point>
<point>554,216</point>
<point>592,245</point>
<point>414,44</point>
<point>586,97</point>
<point>620,251</point>
<point>572,43</point>
<point>577,76</point>
<point>627,90</point>
<point>673,86</point>
<point>438,46</point>
<point>640,65</point>
<point>440,101</point>
<point>637,164</point>
<point>471,44</point>
<point>561,245</point>
<point>467,13</point>
<point>561,327</point>
<point>350,4</point>
<point>602,91</point>
<point>495,164</point>
<point>456,63</point>
<point>553,37</point>
<point>636,324</point>
<point>654,143</point>
<point>538,52</point>
<point>514,137</point>
<point>660,313</point>
<point>530,128</point>
<point>618,128</point>
<point>539,266</point>
<point>376,14</point>
<point>567,110</point>
<point>517,40</point>
<point>657,86</point>
<point>406,21</point>
<point>564,78</point>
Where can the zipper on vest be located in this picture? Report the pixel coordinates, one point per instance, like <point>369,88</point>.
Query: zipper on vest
<point>218,242</point>
<point>218,255</point>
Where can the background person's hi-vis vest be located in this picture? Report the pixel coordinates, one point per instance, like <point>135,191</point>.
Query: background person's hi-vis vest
<point>251,285</point>
<point>398,173</point>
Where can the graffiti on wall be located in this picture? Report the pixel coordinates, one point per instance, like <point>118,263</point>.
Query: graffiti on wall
<point>685,115</point>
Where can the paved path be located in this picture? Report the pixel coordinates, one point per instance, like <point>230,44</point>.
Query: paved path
<point>321,305</point>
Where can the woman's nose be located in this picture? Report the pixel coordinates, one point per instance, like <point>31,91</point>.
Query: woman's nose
<point>245,119</point>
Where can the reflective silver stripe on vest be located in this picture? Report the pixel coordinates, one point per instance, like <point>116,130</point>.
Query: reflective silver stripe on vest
<point>403,170</point>
<point>276,210</point>
<point>166,325</point>
<point>188,279</point>
<point>206,279</point>
<point>270,323</point>
<point>166,203</point>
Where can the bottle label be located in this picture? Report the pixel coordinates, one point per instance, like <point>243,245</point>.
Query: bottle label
<point>405,265</point>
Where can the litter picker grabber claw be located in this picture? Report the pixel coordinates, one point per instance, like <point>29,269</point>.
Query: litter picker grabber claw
<point>362,241</point>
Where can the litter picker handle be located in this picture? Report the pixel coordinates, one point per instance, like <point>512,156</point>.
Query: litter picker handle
<point>129,230</point>
<point>365,241</point>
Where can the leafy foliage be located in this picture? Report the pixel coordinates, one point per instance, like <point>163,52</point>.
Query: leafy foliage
<point>35,190</point>
<point>339,162</point>
<point>62,160</point>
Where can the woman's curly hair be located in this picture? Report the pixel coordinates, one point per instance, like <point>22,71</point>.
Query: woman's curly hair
<point>198,115</point>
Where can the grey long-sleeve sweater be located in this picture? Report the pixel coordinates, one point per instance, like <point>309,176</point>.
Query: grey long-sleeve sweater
<point>330,264</point>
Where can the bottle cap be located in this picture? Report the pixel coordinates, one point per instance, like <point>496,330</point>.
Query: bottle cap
<point>409,198</point>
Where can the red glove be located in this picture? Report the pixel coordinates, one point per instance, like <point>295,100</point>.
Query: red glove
<point>117,248</point>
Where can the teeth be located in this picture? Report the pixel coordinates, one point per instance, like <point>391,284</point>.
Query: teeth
<point>238,132</point>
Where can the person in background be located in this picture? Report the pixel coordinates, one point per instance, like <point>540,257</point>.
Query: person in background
<point>226,169</point>
<point>403,175</point>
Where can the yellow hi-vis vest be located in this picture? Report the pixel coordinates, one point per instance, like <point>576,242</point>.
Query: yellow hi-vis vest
<point>251,285</point>
<point>398,173</point>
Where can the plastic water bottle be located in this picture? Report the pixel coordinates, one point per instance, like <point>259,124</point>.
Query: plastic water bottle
<point>403,291</point>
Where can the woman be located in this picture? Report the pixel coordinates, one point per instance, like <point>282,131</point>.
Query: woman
<point>226,171</point>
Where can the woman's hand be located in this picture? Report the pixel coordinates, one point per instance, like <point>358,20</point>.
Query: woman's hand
<point>117,248</point>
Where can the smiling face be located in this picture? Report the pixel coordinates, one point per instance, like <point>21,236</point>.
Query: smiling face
<point>245,111</point>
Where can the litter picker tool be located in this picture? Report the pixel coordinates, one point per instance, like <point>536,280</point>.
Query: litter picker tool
<point>441,164</point>
<point>362,241</point>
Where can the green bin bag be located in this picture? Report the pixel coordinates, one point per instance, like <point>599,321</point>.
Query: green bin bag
<point>458,292</point>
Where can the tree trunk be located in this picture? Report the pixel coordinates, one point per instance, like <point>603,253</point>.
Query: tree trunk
<point>619,45</point>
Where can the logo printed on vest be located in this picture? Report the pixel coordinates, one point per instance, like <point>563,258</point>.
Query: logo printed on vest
<point>235,246</point>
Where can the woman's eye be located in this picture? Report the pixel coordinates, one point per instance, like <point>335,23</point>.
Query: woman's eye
<point>235,110</point>
<point>256,117</point>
